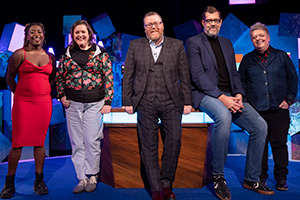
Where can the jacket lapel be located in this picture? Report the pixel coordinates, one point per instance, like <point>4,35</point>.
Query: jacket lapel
<point>164,52</point>
<point>209,49</point>
<point>148,55</point>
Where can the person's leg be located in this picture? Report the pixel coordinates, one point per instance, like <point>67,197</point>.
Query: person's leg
<point>39,157</point>
<point>39,185</point>
<point>219,141</point>
<point>220,133</point>
<point>147,128</point>
<point>264,164</point>
<point>13,159</point>
<point>74,123</point>
<point>93,133</point>
<point>171,132</point>
<point>256,126</point>
<point>280,121</point>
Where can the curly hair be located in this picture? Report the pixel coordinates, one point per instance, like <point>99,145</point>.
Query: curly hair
<point>26,30</point>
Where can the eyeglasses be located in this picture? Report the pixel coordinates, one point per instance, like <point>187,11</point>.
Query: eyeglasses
<point>156,24</point>
<point>210,21</point>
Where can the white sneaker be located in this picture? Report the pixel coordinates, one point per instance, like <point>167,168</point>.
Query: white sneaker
<point>91,184</point>
<point>80,187</point>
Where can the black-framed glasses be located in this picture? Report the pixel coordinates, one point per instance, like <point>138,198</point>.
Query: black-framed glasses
<point>210,21</point>
<point>150,25</point>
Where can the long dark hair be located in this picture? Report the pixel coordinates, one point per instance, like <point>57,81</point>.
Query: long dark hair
<point>27,27</point>
<point>90,31</point>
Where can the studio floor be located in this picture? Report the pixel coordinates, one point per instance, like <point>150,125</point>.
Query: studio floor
<point>60,178</point>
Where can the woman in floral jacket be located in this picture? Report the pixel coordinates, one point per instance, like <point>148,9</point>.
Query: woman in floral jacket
<point>85,88</point>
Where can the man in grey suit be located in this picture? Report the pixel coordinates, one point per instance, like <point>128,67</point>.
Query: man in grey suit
<point>217,90</point>
<point>156,84</point>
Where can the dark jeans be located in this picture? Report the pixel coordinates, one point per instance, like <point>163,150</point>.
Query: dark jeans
<point>278,125</point>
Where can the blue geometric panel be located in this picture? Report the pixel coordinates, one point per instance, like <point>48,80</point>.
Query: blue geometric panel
<point>68,21</point>
<point>187,30</point>
<point>118,77</point>
<point>287,44</point>
<point>113,45</point>
<point>125,44</point>
<point>103,26</point>
<point>57,113</point>
<point>5,146</point>
<point>3,63</point>
<point>289,25</point>
<point>12,37</point>
<point>232,28</point>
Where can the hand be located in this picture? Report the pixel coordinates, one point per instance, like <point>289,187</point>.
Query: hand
<point>232,103</point>
<point>187,110</point>
<point>66,103</point>
<point>239,100</point>
<point>129,109</point>
<point>284,105</point>
<point>105,109</point>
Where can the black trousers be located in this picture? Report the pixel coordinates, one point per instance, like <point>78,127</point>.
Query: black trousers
<point>149,112</point>
<point>278,125</point>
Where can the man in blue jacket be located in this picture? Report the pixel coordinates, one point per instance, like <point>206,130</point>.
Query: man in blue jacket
<point>217,90</point>
<point>270,81</point>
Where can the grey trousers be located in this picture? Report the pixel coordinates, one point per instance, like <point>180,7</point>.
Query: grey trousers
<point>85,127</point>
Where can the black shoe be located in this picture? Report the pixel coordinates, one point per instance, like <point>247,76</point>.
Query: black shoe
<point>282,185</point>
<point>221,188</point>
<point>258,187</point>
<point>263,181</point>
<point>9,187</point>
<point>39,185</point>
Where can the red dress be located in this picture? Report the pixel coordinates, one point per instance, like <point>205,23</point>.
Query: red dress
<point>32,106</point>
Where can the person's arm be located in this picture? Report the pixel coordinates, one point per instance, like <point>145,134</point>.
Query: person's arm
<point>52,75</point>
<point>292,80</point>
<point>128,80</point>
<point>61,83</point>
<point>184,77</point>
<point>12,70</point>
<point>109,84</point>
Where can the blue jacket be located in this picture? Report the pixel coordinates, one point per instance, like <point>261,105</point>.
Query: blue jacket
<point>266,87</point>
<point>204,69</point>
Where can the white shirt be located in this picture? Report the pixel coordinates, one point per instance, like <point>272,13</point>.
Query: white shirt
<point>156,49</point>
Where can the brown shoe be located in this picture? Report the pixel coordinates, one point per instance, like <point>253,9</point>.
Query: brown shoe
<point>168,194</point>
<point>258,187</point>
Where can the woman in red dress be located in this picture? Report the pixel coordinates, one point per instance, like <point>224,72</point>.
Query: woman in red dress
<point>32,105</point>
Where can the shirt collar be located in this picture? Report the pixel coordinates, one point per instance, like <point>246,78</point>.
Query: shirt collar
<point>152,43</point>
<point>265,53</point>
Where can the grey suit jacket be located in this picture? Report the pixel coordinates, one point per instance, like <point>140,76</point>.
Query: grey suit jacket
<point>175,71</point>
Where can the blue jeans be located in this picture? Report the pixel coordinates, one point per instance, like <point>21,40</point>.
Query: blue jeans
<point>248,120</point>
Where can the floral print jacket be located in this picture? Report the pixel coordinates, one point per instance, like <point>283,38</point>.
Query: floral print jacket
<point>90,83</point>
